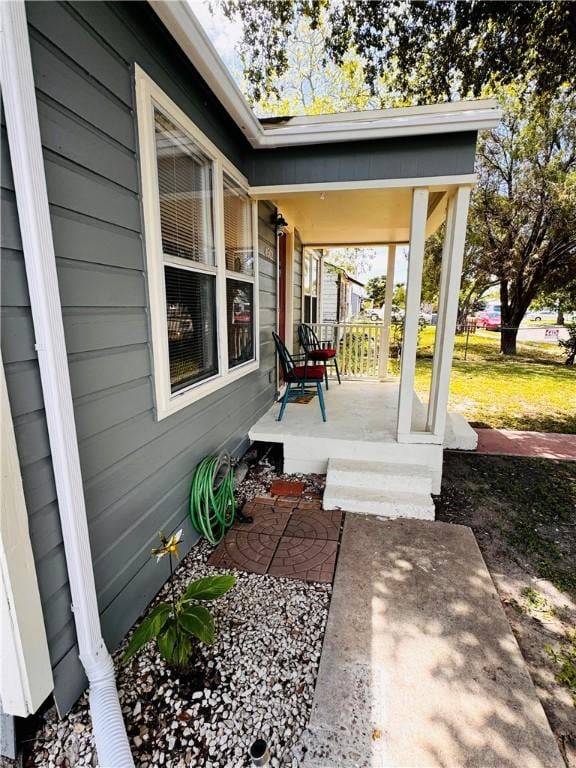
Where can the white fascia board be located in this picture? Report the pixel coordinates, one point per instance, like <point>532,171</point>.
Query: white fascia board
<point>382,128</point>
<point>180,20</point>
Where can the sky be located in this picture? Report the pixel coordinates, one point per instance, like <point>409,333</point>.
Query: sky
<point>378,266</point>
<point>223,33</point>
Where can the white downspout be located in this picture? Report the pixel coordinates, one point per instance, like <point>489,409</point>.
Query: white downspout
<point>21,113</point>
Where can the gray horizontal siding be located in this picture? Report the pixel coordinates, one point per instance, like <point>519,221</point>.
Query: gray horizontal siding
<point>402,158</point>
<point>136,470</point>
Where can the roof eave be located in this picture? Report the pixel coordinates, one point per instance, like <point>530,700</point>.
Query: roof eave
<point>180,20</point>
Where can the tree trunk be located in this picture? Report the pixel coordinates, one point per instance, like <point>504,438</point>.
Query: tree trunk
<point>560,316</point>
<point>508,341</point>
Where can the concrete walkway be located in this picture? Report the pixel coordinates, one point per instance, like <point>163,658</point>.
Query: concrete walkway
<point>419,667</point>
<point>509,442</point>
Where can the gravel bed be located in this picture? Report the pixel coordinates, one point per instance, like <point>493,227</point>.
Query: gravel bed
<point>256,680</point>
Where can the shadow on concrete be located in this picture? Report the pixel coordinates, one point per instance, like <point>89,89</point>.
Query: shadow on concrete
<point>419,666</point>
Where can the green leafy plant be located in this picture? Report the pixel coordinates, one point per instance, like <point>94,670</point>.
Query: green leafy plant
<point>178,625</point>
<point>565,659</point>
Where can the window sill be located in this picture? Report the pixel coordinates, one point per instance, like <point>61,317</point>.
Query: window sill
<point>195,393</point>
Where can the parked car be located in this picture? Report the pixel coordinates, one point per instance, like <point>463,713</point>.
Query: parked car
<point>377,313</point>
<point>490,321</point>
<point>542,314</point>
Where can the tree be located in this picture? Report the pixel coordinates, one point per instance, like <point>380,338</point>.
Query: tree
<point>419,51</point>
<point>376,289</point>
<point>524,209</point>
<point>312,85</point>
<point>352,260</point>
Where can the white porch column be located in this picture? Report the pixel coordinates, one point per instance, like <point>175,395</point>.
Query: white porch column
<point>439,338</point>
<point>387,317</point>
<point>413,293</point>
<point>444,347</point>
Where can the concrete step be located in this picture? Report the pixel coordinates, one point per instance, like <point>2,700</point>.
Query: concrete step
<point>379,476</point>
<point>368,501</point>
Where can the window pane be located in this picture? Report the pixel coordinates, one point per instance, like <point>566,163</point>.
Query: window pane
<point>237,229</point>
<point>191,310</point>
<point>307,275</point>
<point>185,190</point>
<point>240,318</point>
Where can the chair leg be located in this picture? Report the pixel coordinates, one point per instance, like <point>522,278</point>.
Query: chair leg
<point>326,375</point>
<point>284,402</point>
<point>321,399</point>
<point>337,371</point>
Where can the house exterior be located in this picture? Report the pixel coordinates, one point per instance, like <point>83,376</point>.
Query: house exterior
<point>141,283</point>
<point>341,295</point>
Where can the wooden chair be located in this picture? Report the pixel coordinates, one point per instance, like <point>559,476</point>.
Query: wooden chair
<point>317,351</point>
<point>298,377</point>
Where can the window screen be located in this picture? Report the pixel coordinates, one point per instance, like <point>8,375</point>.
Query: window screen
<point>191,316</point>
<point>185,190</point>
<point>240,321</point>
<point>237,229</point>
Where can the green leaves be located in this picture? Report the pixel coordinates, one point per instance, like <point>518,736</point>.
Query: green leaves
<point>208,588</point>
<point>197,621</point>
<point>148,629</point>
<point>177,628</point>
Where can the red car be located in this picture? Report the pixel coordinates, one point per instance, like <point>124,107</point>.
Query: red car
<point>490,321</point>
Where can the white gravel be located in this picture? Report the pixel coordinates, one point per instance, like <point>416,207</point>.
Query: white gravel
<point>256,680</point>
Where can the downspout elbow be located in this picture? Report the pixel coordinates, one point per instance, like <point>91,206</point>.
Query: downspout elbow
<point>107,721</point>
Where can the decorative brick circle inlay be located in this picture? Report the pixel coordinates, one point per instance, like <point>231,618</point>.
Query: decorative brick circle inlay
<point>268,520</point>
<point>315,524</point>
<point>308,559</point>
<point>246,551</point>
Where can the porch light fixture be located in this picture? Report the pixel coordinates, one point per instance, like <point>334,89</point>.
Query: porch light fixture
<point>279,223</point>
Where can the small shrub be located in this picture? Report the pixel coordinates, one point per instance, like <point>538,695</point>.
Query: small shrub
<point>565,658</point>
<point>178,625</point>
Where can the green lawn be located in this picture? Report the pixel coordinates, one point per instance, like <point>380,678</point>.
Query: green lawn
<point>533,390</point>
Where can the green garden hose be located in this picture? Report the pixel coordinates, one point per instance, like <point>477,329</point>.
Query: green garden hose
<point>212,506</point>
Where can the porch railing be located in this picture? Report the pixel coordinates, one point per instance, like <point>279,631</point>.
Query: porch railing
<point>358,345</point>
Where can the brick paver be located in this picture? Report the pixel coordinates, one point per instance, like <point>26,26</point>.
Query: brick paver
<point>287,488</point>
<point>315,524</point>
<point>252,552</point>
<point>307,559</point>
<point>287,537</point>
<point>270,520</point>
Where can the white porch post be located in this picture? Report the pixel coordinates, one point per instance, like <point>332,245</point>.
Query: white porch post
<point>444,348</point>
<point>413,292</point>
<point>439,338</point>
<point>387,317</point>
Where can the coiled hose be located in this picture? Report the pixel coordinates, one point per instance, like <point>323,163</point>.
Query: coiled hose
<point>212,506</point>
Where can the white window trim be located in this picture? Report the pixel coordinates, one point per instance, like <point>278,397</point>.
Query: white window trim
<point>167,403</point>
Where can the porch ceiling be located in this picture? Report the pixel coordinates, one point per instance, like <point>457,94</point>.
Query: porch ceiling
<point>355,217</point>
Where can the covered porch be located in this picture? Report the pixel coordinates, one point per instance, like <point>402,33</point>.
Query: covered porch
<point>361,426</point>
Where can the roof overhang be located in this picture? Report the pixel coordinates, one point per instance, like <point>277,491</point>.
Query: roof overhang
<point>182,23</point>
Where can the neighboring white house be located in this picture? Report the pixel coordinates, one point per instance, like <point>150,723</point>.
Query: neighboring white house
<point>341,295</point>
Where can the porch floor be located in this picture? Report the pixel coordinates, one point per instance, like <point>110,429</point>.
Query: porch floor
<point>356,410</point>
<point>419,666</point>
<point>361,425</point>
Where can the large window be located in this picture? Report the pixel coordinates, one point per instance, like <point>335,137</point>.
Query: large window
<point>311,286</point>
<point>201,256</point>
